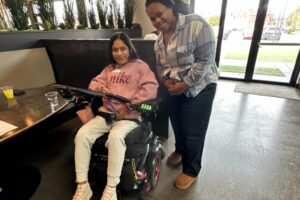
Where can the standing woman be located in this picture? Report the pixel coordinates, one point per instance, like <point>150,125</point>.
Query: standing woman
<point>185,56</point>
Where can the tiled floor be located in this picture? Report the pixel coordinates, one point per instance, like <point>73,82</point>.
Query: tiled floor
<point>252,152</point>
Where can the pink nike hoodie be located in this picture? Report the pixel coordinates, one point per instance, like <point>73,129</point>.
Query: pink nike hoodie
<point>134,81</point>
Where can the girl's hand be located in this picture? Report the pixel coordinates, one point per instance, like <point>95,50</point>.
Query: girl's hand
<point>123,111</point>
<point>102,109</point>
<point>105,89</point>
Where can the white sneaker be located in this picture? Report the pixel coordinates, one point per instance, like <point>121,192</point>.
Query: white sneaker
<point>109,193</point>
<point>83,192</point>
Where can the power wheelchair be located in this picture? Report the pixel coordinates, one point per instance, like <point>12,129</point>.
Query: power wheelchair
<point>144,152</point>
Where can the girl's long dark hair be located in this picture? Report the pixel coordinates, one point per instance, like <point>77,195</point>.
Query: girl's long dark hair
<point>124,37</point>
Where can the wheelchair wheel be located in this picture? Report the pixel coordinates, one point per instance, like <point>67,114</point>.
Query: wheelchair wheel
<point>154,165</point>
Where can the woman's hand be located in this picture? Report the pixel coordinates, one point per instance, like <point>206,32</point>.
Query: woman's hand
<point>169,84</point>
<point>174,87</point>
<point>123,111</point>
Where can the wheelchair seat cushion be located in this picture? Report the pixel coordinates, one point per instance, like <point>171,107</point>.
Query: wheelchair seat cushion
<point>135,142</point>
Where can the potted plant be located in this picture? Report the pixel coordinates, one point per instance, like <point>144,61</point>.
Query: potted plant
<point>129,7</point>
<point>102,11</point>
<point>110,17</point>
<point>32,16</point>
<point>81,14</point>
<point>46,9</point>
<point>69,14</point>
<point>92,16</point>
<point>120,19</point>
<point>18,13</point>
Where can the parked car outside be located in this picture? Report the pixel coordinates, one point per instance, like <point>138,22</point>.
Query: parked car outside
<point>247,34</point>
<point>271,34</point>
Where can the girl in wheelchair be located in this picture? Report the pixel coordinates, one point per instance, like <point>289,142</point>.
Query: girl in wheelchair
<point>126,76</point>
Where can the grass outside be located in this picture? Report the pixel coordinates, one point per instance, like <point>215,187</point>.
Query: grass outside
<point>267,53</point>
<point>259,70</point>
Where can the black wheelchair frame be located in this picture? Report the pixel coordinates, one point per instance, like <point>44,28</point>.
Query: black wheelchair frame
<point>144,152</point>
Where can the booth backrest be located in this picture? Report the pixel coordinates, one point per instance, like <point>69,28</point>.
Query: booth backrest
<point>26,68</point>
<point>24,62</point>
<point>76,62</point>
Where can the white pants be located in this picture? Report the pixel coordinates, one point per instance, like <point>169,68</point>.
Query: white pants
<point>85,139</point>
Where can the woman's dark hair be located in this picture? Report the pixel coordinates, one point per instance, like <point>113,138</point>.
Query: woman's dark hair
<point>169,3</point>
<point>124,37</point>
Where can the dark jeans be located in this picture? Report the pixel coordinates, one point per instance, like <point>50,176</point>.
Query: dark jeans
<point>190,118</point>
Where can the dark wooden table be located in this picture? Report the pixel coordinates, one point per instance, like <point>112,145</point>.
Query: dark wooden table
<point>28,110</point>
